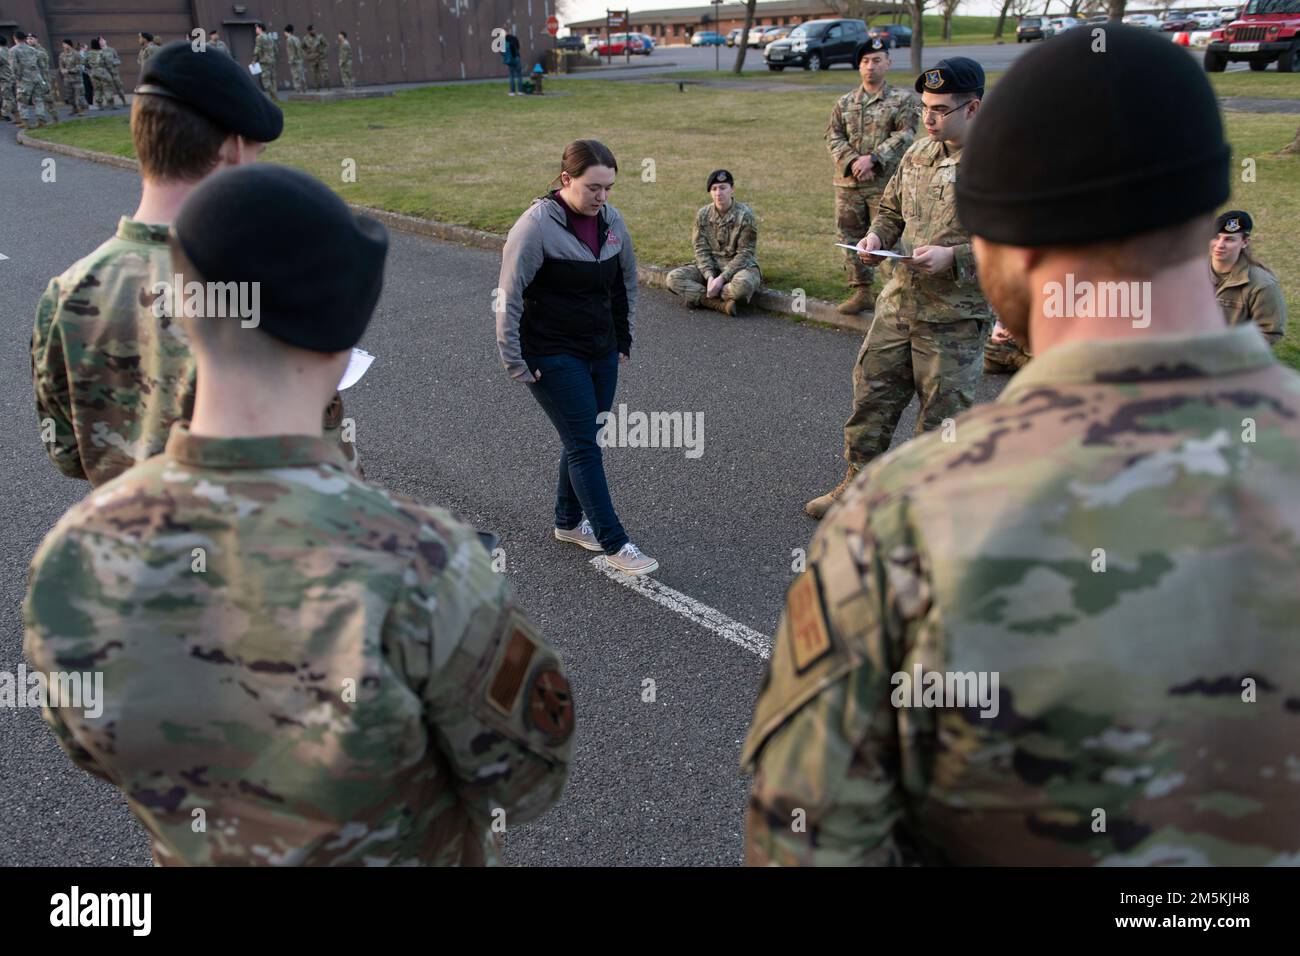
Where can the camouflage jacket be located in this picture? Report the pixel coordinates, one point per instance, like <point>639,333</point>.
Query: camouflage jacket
<point>70,64</point>
<point>345,53</point>
<point>298,668</point>
<point>6,69</point>
<point>1251,294</point>
<point>725,242</point>
<point>264,50</point>
<point>27,66</point>
<point>881,124</point>
<point>97,67</point>
<point>146,51</point>
<point>219,45</point>
<point>919,208</point>
<point>1113,539</point>
<point>315,46</point>
<point>43,57</point>
<point>294,46</point>
<point>111,59</point>
<point>111,378</point>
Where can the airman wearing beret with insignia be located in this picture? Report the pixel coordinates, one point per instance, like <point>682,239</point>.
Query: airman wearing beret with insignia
<point>932,320</point>
<point>1247,290</point>
<point>869,131</point>
<point>333,674</point>
<point>725,273</point>
<point>110,375</point>
<point>1062,633</point>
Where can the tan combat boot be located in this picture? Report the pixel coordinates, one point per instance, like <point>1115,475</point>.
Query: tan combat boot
<point>818,507</point>
<point>860,301</point>
<point>725,306</point>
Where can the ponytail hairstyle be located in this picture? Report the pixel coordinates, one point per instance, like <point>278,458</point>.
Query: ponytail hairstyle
<point>582,154</point>
<point>1252,261</point>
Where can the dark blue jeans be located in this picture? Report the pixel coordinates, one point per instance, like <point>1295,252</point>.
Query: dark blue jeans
<point>516,76</point>
<point>572,392</point>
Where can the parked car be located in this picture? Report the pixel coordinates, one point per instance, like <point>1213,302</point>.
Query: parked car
<point>1205,19</point>
<point>1030,29</point>
<point>817,45</point>
<point>708,38</point>
<point>734,35</point>
<point>1098,19</point>
<point>1228,14</point>
<point>1146,21</point>
<point>647,43</point>
<point>895,34</point>
<point>1267,30</point>
<point>618,43</point>
<point>1059,25</point>
<point>590,41</point>
<point>1176,20</point>
<point>573,43</point>
<point>774,33</point>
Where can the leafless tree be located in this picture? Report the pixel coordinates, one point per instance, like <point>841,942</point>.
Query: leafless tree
<point>949,8</point>
<point>742,43</point>
<point>1002,19</point>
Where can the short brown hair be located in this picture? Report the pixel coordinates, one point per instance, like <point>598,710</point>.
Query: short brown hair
<point>172,141</point>
<point>583,153</point>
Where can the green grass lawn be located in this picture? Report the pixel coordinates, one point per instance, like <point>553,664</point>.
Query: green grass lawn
<point>471,155</point>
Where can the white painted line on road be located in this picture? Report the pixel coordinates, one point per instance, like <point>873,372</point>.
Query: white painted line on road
<point>689,608</point>
<point>3,256</point>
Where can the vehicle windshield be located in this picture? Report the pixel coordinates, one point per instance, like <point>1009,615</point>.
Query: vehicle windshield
<point>1273,6</point>
<point>1030,22</point>
<point>807,31</point>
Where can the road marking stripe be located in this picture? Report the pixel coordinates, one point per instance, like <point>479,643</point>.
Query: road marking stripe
<point>689,608</point>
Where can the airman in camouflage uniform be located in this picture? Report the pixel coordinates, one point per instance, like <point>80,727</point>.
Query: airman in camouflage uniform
<point>331,673</point>
<point>74,90</point>
<point>1003,355</point>
<point>114,64</point>
<point>297,73</point>
<point>725,273</point>
<point>345,61</point>
<point>148,47</point>
<point>51,90</point>
<point>8,92</point>
<point>101,79</point>
<point>1107,552</point>
<point>215,43</point>
<point>1247,290</point>
<point>931,323</point>
<point>314,48</point>
<point>869,131</point>
<point>29,82</point>
<point>264,56</point>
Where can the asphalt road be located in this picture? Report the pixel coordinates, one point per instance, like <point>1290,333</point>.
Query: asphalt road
<point>652,783</point>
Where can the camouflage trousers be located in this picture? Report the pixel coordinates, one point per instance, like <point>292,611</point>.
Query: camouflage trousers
<point>74,92</point>
<point>320,73</point>
<point>1004,358</point>
<point>345,74</point>
<point>9,100</point>
<point>102,84</point>
<point>689,283</point>
<point>31,98</point>
<point>298,73</point>
<point>52,97</point>
<point>115,84</point>
<point>902,356</point>
<point>854,210</point>
<point>266,80</point>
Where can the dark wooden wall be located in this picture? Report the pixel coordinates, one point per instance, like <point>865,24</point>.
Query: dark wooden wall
<point>393,41</point>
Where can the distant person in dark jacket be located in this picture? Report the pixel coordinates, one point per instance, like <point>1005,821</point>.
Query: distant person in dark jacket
<point>565,308</point>
<point>515,63</point>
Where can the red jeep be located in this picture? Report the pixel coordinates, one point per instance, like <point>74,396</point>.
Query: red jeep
<point>1267,30</point>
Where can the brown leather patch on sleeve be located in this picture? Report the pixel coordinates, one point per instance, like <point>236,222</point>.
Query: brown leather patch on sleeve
<point>549,709</point>
<point>810,640</point>
<point>503,691</point>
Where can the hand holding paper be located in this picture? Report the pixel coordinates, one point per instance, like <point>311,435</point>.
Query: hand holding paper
<point>883,253</point>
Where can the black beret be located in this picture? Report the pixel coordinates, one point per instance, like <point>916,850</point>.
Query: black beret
<point>1080,142</point>
<point>719,176</point>
<point>213,84</point>
<point>1234,221</point>
<point>956,74</point>
<point>873,45</point>
<point>319,266</point>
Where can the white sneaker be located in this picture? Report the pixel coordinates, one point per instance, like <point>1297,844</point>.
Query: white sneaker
<point>630,560</point>
<point>581,535</point>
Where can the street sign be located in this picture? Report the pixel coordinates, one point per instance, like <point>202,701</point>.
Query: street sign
<point>552,25</point>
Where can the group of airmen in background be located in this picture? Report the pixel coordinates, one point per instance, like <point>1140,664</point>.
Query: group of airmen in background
<point>307,59</point>
<point>27,78</point>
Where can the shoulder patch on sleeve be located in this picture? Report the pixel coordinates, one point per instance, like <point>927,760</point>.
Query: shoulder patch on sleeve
<point>521,646</point>
<point>808,656</point>
<point>549,708</point>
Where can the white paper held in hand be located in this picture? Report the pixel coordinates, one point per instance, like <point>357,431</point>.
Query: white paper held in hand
<point>255,68</point>
<point>878,252</point>
<point>358,364</point>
